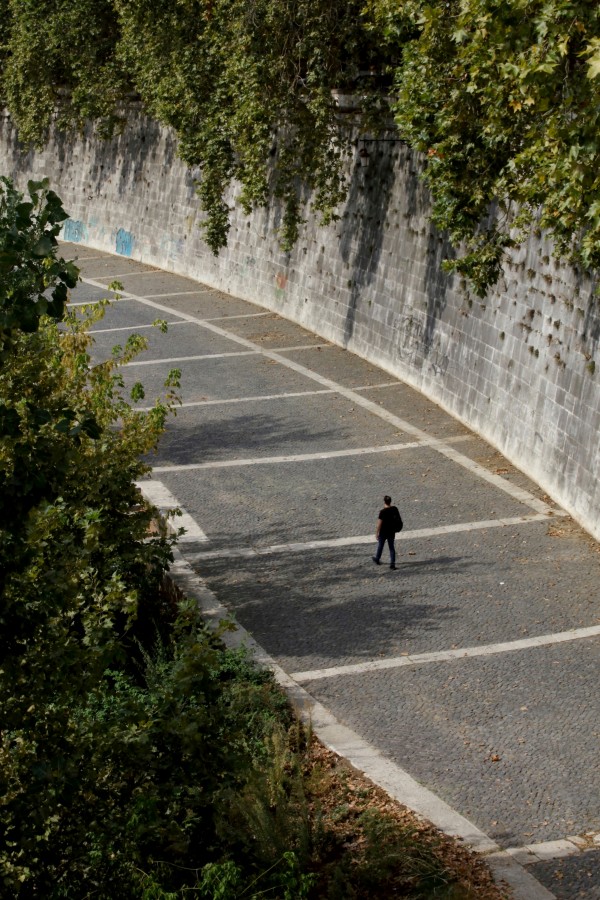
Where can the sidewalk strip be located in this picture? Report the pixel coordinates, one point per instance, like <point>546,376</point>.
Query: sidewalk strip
<point>441,446</point>
<point>378,665</point>
<point>158,495</point>
<point>406,535</point>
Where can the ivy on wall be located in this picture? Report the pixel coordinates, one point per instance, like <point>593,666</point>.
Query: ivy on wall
<point>502,97</point>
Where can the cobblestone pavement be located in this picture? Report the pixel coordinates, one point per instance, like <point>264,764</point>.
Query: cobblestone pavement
<point>575,876</point>
<point>281,453</point>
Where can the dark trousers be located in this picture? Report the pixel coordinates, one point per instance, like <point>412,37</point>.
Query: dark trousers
<point>380,545</point>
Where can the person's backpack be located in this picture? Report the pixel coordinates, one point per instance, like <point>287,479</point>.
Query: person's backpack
<point>398,523</point>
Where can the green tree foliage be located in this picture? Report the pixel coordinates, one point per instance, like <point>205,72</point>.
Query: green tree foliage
<point>502,98</point>
<point>72,548</point>
<point>81,705</point>
<point>59,60</point>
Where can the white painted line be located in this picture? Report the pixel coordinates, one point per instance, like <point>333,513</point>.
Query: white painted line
<point>125,274</point>
<point>406,535</point>
<point>401,786</point>
<point>240,316</point>
<point>303,347</point>
<point>130,328</point>
<point>158,495</point>
<point>415,659</point>
<point>440,446</point>
<point>288,458</point>
<point>385,384</point>
<point>176,359</point>
<point>78,259</point>
<point>182,293</point>
<point>257,398</point>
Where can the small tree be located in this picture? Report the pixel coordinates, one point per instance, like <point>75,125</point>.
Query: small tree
<point>78,574</point>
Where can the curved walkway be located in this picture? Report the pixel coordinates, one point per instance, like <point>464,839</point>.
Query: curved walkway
<point>465,682</point>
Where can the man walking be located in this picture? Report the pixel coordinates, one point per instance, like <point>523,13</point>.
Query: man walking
<point>388,523</point>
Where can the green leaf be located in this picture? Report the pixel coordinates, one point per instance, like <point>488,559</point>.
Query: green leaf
<point>43,247</point>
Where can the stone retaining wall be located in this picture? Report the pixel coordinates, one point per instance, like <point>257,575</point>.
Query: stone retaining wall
<point>521,367</point>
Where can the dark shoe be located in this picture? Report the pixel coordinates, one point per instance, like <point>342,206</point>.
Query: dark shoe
<point>375,560</point>
<point>392,566</point>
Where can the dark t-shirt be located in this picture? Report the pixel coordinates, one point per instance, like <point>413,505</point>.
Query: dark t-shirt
<point>388,520</point>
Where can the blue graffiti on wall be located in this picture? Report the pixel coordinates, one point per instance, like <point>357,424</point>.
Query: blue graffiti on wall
<point>74,230</point>
<point>124,242</point>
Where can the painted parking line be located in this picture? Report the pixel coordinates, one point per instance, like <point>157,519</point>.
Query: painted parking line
<point>177,359</point>
<point>311,457</point>
<point>110,278</point>
<point>257,398</point>
<point>252,399</point>
<point>287,458</point>
<point>414,659</point>
<point>131,327</point>
<point>259,315</point>
<point>356,540</point>
<point>294,347</point>
<point>158,362</point>
<point>384,384</point>
<point>182,293</point>
<point>439,445</point>
<point>158,495</point>
<point>78,259</point>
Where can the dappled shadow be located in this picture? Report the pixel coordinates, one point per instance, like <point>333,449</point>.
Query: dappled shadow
<point>235,436</point>
<point>121,159</point>
<point>329,607</point>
